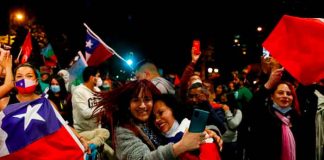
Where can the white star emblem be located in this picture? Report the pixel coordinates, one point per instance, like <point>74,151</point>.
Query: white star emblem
<point>31,114</point>
<point>89,43</point>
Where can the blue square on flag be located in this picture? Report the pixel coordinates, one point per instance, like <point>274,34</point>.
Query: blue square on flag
<point>96,51</point>
<point>91,44</point>
<point>34,130</point>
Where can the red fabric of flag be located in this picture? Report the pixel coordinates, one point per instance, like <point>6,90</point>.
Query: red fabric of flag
<point>297,44</point>
<point>50,147</point>
<point>26,48</point>
<point>35,130</point>
<point>96,52</point>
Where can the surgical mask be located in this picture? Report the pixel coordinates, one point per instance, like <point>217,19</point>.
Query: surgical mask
<point>55,88</point>
<point>105,87</point>
<point>99,82</point>
<point>26,86</point>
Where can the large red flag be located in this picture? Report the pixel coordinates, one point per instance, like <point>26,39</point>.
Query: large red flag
<point>298,45</point>
<point>26,48</point>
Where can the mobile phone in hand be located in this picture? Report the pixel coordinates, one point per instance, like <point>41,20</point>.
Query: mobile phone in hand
<point>196,46</point>
<point>198,121</point>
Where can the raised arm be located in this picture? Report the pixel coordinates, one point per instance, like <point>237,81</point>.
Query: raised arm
<point>6,65</point>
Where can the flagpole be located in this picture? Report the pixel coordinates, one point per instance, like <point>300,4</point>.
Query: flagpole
<point>17,59</point>
<point>104,44</point>
<point>82,58</point>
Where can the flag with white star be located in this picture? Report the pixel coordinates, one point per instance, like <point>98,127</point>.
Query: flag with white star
<point>35,130</point>
<point>96,52</point>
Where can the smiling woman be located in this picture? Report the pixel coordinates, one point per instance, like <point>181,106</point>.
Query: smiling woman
<point>275,113</point>
<point>128,111</point>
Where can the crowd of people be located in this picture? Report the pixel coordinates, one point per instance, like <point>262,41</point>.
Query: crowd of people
<point>148,118</point>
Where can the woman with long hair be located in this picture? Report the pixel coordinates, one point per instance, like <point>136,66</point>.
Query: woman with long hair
<point>276,126</point>
<point>128,110</point>
<point>62,99</point>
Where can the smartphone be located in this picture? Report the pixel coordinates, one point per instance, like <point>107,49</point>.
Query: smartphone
<point>198,121</point>
<point>196,46</point>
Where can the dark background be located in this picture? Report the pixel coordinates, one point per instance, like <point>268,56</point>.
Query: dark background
<point>161,31</point>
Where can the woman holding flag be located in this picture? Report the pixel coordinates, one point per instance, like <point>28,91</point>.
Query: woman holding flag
<point>26,84</point>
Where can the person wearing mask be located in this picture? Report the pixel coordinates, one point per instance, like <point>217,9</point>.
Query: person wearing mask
<point>276,124</point>
<point>62,99</point>
<point>25,75</point>
<point>84,100</point>
<point>107,84</point>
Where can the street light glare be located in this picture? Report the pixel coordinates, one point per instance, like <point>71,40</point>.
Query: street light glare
<point>129,62</point>
<point>210,70</point>
<point>259,29</point>
<point>19,16</point>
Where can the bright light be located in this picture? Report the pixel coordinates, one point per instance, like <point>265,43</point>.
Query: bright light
<point>19,16</point>
<point>244,52</point>
<point>129,62</point>
<point>210,70</point>
<point>216,70</point>
<point>236,40</point>
<point>259,29</point>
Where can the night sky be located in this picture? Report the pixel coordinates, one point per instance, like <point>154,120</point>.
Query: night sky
<point>163,31</point>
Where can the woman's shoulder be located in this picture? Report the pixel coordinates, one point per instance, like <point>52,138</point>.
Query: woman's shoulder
<point>122,131</point>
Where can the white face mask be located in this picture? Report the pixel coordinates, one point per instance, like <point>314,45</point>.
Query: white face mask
<point>99,82</point>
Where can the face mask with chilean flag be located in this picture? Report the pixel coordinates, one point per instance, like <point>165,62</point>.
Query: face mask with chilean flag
<point>26,86</point>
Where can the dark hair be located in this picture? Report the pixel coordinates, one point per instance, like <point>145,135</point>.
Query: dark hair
<point>178,109</point>
<point>60,80</point>
<point>116,104</point>
<point>25,65</point>
<point>88,72</point>
<point>38,87</point>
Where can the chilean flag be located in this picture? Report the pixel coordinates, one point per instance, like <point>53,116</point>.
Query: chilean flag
<point>26,84</point>
<point>35,130</point>
<point>96,52</point>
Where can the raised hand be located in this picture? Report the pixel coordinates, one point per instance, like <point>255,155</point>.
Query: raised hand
<point>274,78</point>
<point>194,57</point>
